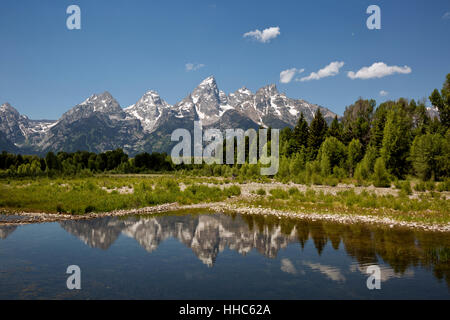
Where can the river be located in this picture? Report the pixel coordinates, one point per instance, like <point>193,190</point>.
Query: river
<point>199,255</point>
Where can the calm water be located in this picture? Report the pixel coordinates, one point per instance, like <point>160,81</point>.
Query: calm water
<point>216,256</point>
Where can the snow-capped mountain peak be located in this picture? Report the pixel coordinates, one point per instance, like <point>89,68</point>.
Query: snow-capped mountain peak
<point>206,89</point>
<point>206,103</point>
<point>19,129</point>
<point>208,82</point>
<point>148,101</point>
<point>270,89</point>
<point>6,107</point>
<point>97,103</point>
<point>245,91</point>
<point>148,110</point>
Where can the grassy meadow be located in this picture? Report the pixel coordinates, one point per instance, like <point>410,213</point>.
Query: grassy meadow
<point>429,207</point>
<point>104,193</point>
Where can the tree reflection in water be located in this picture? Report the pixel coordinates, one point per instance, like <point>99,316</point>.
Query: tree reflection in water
<point>209,234</point>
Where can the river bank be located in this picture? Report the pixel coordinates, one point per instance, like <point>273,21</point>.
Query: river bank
<point>21,218</point>
<point>39,201</point>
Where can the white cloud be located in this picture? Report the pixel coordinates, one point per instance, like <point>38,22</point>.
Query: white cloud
<point>287,75</point>
<point>287,266</point>
<point>264,36</point>
<point>193,66</point>
<point>446,15</point>
<point>383,93</point>
<point>378,70</point>
<point>331,272</point>
<point>330,70</point>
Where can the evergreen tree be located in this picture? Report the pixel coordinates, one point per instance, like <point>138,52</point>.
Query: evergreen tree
<point>396,142</point>
<point>285,138</point>
<point>317,133</point>
<point>335,129</point>
<point>52,161</point>
<point>378,123</point>
<point>421,120</point>
<point>299,137</point>
<point>442,102</point>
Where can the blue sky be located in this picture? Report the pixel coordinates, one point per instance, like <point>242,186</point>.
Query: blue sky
<point>130,47</point>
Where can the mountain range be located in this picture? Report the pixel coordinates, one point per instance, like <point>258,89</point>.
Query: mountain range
<point>99,123</point>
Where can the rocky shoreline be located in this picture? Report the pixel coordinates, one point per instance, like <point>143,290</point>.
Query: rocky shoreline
<point>337,218</point>
<point>29,217</point>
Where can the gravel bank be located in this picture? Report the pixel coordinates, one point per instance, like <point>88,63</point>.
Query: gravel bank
<point>27,217</point>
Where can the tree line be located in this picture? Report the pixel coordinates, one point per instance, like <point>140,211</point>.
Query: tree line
<point>82,163</point>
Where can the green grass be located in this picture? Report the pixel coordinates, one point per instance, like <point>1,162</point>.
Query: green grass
<point>101,194</point>
<point>429,208</point>
<point>278,193</point>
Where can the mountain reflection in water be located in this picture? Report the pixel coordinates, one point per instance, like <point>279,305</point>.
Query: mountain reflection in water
<point>5,231</point>
<point>207,235</point>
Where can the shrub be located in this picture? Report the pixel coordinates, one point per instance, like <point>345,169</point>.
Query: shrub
<point>424,186</point>
<point>444,186</point>
<point>232,191</point>
<point>293,191</point>
<point>59,208</point>
<point>316,179</point>
<point>405,187</point>
<point>430,185</point>
<point>217,170</point>
<point>380,174</point>
<point>420,186</point>
<point>279,193</point>
<point>89,209</point>
<point>330,181</point>
<point>261,192</point>
<point>339,173</point>
<point>170,185</point>
<point>301,178</point>
<point>89,185</point>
